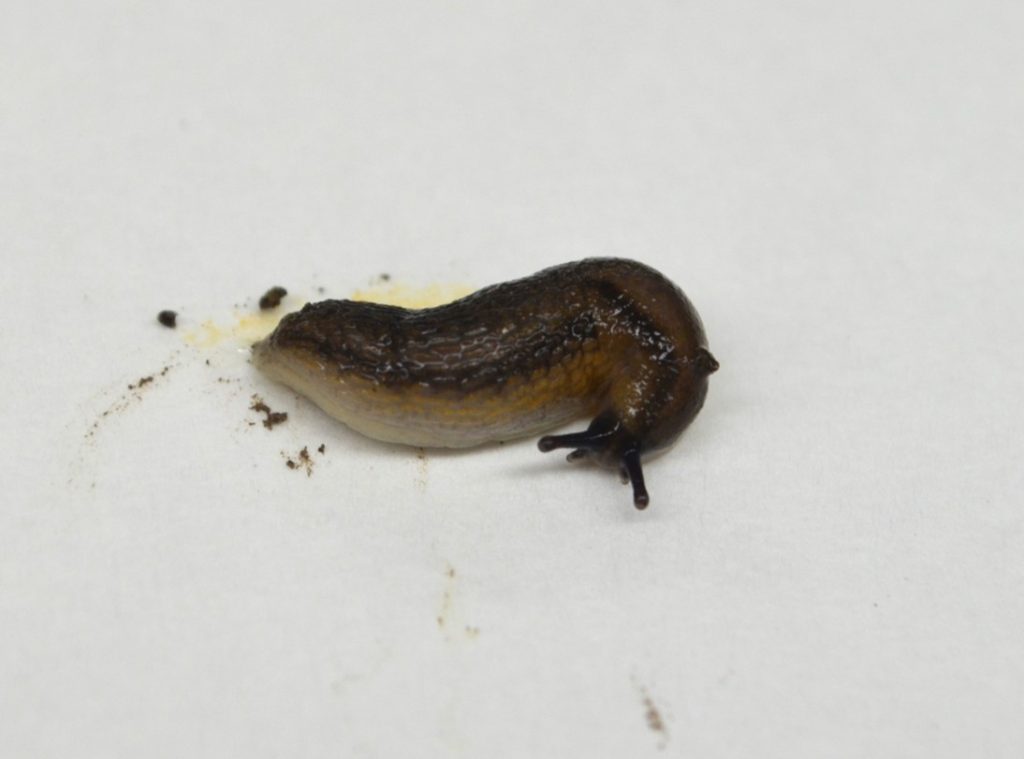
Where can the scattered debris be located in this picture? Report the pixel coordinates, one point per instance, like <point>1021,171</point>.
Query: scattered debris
<point>272,298</point>
<point>273,418</point>
<point>168,318</point>
<point>451,618</point>
<point>301,460</point>
<point>141,382</point>
<point>134,394</point>
<point>446,597</point>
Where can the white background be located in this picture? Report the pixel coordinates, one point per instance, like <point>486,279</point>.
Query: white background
<point>833,559</point>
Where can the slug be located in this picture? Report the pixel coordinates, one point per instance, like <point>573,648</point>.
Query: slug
<point>611,339</point>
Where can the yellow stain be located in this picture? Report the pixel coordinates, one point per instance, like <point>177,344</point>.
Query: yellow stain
<point>248,327</point>
<point>245,327</point>
<point>408,296</point>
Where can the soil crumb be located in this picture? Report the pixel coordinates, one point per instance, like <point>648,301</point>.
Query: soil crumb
<point>272,418</point>
<point>301,460</point>
<point>321,449</point>
<point>168,318</point>
<point>272,298</point>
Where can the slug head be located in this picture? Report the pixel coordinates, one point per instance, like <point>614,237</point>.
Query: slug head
<point>611,443</point>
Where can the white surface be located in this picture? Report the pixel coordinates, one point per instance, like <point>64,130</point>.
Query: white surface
<point>832,561</point>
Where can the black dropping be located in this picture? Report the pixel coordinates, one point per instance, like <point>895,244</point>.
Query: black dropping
<point>272,298</point>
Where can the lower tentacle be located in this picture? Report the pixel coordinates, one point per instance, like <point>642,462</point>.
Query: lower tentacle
<point>631,461</point>
<point>604,439</point>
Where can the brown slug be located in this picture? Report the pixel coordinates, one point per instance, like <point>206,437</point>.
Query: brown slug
<point>608,338</point>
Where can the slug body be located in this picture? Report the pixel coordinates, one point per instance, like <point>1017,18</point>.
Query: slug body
<point>607,338</point>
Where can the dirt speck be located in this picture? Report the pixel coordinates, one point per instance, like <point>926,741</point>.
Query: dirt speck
<point>272,298</point>
<point>168,318</point>
<point>423,470</point>
<point>275,417</point>
<point>451,621</point>
<point>272,418</point>
<point>301,460</point>
<point>133,395</point>
<point>446,597</point>
<point>141,382</point>
<point>322,449</point>
<point>652,716</point>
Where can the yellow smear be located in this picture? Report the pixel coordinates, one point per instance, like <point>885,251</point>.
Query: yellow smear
<point>248,327</point>
<point>206,335</point>
<point>412,297</point>
<point>245,328</point>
